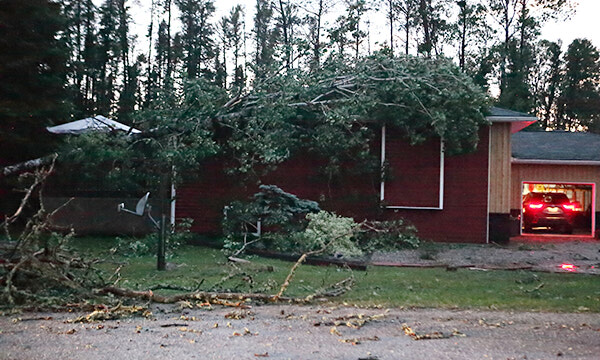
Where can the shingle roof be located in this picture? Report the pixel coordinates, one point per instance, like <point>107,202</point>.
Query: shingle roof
<point>499,112</point>
<point>556,145</point>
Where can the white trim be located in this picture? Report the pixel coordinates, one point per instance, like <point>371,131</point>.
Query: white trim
<point>382,185</point>
<point>487,231</point>
<point>593,215</point>
<point>173,201</point>
<point>414,207</point>
<point>441,192</point>
<point>555,162</point>
<point>441,188</point>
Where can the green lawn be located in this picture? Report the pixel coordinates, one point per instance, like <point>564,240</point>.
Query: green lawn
<point>409,287</point>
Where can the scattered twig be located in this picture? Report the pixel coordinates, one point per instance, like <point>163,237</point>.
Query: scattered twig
<point>355,321</point>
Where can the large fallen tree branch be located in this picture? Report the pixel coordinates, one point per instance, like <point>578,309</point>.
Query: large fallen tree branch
<point>205,296</point>
<point>27,165</point>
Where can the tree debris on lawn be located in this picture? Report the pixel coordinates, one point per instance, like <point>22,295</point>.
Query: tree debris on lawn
<point>36,268</point>
<point>34,263</point>
<point>117,312</point>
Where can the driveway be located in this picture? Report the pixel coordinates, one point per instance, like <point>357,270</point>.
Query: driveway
<point>541,253</point>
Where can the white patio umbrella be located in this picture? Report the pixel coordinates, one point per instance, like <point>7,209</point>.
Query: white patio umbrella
<point>96,123</point>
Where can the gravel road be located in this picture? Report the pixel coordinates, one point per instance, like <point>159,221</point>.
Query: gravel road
<point>304,332</point>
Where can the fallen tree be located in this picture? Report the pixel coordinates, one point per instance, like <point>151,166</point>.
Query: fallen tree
<point>35,263</point>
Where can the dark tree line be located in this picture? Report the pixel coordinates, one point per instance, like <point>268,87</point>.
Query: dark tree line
<point>83,59</point>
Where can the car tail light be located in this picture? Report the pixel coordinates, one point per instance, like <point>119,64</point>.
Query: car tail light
<point>535,206</point>
<point>570,207</point>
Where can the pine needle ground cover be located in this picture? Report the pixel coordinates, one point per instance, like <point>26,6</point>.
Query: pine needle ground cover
<point>202,268</point>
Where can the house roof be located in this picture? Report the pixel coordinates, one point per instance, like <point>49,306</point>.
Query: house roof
<point>517,120</point>
<point>556,147</point>
<point>96,123</point>
<point>500,112</point>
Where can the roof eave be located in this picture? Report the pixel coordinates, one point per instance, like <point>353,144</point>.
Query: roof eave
<point>555,162</point>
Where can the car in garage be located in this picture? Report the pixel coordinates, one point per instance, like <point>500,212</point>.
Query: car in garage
<point>548,210</point>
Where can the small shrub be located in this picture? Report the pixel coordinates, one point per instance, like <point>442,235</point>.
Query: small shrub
<point>323,229</point>
<point>280,214</point>
<point>147,245</point>
<point>294,225</point>
<point>387,235</point>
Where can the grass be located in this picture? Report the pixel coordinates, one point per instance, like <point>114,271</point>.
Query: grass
<point>389,287</point>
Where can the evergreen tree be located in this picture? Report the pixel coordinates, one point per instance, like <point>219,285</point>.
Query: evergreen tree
<point>348,31</point>
<point>286,23</point>
<point>266,37</point>
<point>579,102</point>
<point>472,34</point>
<point>33,74</point>
<point>519,22</point>
<point>80,36</point>
<point>316,10</point>
<point>108,58</point>
<point>547,81</point>
<point>433,24</point>
<point>196,36</point>
<point>234,39</point>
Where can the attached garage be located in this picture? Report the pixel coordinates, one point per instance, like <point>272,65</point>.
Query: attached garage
<point>547,163</point>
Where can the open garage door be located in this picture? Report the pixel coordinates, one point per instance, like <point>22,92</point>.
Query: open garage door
<point>558,208</point>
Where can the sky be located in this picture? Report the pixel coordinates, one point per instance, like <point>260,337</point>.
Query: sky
<point>584,24</point>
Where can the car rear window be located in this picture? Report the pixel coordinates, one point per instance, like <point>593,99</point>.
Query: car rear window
<point>556,198</point>
<point>552,198</point>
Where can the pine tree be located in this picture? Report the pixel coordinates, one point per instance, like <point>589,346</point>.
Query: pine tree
<point>547,80</point>
<point>579,102</point>
<point>33,74</point>
<point>472,33</point>
<point>197,33</point>
<point>265,36</point>
<point>287,21</point>
<point>316,10</point>
<point>519,28</point>
<point>80,37</point>
<point>409,11</point>
<point>234,38</point>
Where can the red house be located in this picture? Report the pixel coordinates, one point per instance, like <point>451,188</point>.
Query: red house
<point>462,198</point>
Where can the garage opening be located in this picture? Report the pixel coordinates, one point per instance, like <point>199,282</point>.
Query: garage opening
<point>558,208</point>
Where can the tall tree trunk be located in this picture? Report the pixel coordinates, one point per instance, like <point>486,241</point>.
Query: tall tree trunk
<point>169,49</point>
<point>149,92</point>
<point>463,38</point>
<point>391,19</point>
<point>424,12</point>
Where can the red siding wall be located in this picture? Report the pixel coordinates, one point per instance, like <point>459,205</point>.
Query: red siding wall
<point>464,218</point>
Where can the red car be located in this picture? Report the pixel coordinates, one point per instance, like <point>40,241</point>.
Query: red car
<point>550,210</point>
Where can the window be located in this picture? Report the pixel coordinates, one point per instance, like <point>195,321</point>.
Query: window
<point>415,173</point>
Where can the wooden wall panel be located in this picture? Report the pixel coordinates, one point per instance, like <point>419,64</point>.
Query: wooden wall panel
<point>551,173</point>
<point>500,168</point>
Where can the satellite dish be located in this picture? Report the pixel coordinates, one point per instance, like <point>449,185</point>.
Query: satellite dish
<point>141,208</point>
<point>141,205</point>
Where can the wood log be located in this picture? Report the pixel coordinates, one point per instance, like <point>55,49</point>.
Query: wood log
<point>211,297</point>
